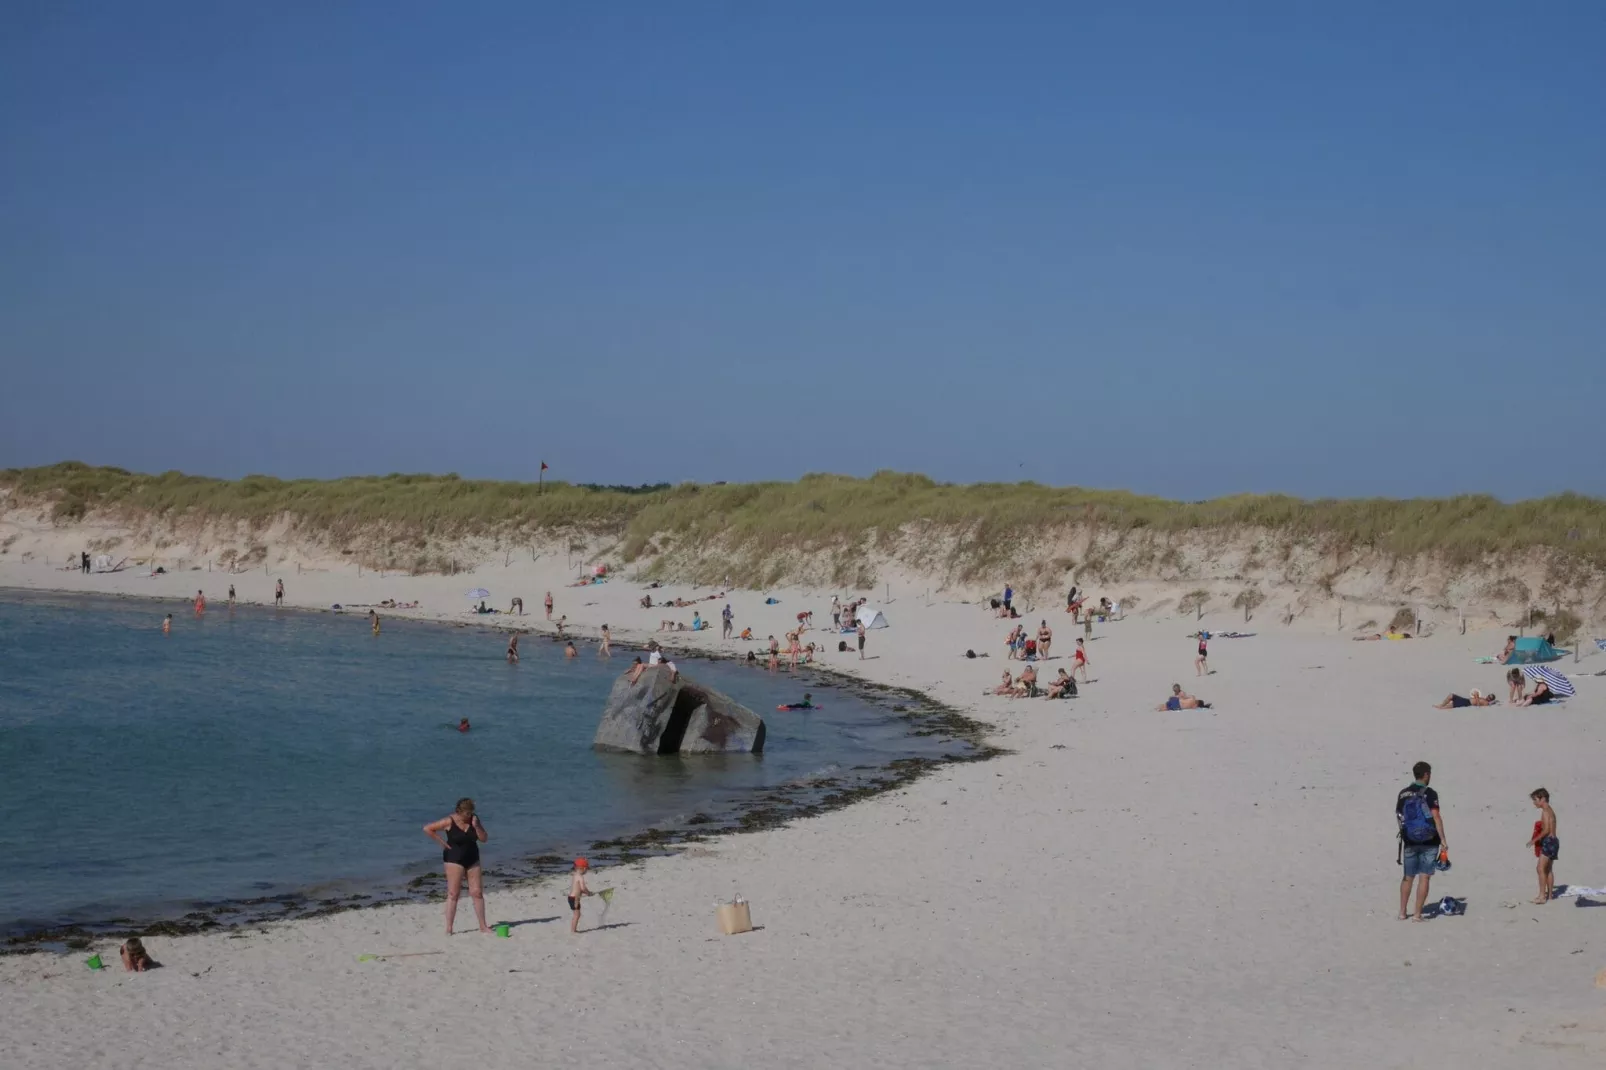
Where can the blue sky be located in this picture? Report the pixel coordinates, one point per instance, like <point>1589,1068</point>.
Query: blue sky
<point>1184,248</point>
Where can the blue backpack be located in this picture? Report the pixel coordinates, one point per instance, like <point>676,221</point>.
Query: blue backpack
<point>1416,820</point>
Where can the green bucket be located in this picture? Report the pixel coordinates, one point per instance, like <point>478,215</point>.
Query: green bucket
<point>94,963</point>
<point>504,930</point>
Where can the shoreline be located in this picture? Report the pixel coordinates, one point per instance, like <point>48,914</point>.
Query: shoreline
<point>760,809</point>
<point>1121,885</point>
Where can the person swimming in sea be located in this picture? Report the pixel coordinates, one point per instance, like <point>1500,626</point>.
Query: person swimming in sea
<point>569,651</point>
<point>513,649</point>
<point>463,725</point>
<point>167,624</point>
<point>806,704</point>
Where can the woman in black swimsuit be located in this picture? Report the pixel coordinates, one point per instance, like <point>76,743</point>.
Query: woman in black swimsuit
<point>461,853</point>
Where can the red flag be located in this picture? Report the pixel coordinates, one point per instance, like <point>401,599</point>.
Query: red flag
<point>543,466</point>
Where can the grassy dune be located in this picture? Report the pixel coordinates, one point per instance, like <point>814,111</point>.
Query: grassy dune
<point>820,512</point>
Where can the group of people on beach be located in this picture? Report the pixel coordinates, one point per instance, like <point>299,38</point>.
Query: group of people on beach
<point>1424,846</point>
<point>460,834</point>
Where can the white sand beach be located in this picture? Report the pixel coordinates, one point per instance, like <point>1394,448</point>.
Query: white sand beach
<point>1123,888</point>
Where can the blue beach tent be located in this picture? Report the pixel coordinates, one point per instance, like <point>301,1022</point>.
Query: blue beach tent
<point>1533,649</point>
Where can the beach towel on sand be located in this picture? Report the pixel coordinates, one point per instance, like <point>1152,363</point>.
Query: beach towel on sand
<point>1575,889</point>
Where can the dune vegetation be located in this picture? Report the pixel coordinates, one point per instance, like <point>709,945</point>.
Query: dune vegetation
<point>817,512</point>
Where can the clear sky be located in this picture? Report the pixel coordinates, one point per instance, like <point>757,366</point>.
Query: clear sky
<point>1186,248</point>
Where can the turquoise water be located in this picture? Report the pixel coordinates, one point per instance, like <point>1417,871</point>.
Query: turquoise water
<point>253,753</point>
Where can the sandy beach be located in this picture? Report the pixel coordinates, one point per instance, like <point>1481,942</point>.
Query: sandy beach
<point>1121,888</point>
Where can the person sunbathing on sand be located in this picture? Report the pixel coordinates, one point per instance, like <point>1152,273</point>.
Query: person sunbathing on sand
<point>1510,648</point>
<point>1026,686</point>
<point>1062,683</point>
<point>1456,702</point>
<point>1181,700</point>
<point>1004,688</point>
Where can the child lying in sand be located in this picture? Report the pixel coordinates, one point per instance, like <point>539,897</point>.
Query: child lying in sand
<point>1181,700</point>
<point>1456,702</point>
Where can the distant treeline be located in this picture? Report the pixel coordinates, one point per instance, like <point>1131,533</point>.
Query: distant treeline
<point>620,488</point>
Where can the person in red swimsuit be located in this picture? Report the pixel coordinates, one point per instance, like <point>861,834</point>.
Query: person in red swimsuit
<point>1081,661</point>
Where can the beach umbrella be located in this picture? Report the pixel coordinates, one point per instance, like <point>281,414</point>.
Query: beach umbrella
<point>478,592</point>
<point>1553,679</point>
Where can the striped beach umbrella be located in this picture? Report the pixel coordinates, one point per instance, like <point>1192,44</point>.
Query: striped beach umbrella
<point>1553,679</point>
<point>478,592</point>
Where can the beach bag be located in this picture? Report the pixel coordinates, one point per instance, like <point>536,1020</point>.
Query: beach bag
<point>1416,820</point>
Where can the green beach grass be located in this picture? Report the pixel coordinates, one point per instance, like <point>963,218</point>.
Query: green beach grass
<point>818,512</point>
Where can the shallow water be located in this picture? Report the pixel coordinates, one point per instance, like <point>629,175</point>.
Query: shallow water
<point>254,752</point>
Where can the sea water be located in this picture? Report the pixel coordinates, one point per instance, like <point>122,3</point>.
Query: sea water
<point>255,752</point>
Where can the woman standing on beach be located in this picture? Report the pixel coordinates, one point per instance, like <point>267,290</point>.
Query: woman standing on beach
<point>461,853</point>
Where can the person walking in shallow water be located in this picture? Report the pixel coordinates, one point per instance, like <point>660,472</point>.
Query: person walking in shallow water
<point>278,592</point>
<point>606,649</point>
<point>460,853</point>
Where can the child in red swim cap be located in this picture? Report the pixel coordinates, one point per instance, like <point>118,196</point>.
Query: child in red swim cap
<point>577,888</point>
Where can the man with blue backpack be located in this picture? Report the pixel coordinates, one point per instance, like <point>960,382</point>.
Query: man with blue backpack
<point>1424,848</point>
